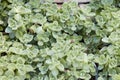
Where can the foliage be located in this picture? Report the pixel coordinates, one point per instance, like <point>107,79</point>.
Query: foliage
<point>39,41</point>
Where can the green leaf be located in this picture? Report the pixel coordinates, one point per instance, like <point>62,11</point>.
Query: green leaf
<point>55,26</point>
<point>60,67</point>
<point>101,59</point>
<point>43,69</point>
<point>29,68</point>
<point>20,60</point>
<point>15,50</point>
<point>48,61</point>
<point>26,38</point>
<point>38,19</point>
<point>21,10</point>
<point>2,39</point>
<point>73,28</point>
<point>51,67</point>
<point>11,66</point>
<point>18,78</point>
<point>17,17</point>
<point>1,22</point>
<point>13,24</point>
<point>4,78</point>
<point>39,30</point>
<point>43,37</point>
<point>9,72</point>
<point>54,72</point>
<point>114,38</point>
<point>8,30</point>
<point>100,78</point>
<point>116,77</point>
<point>105,39</point>
<point>113,63</point>
<point>106,2</point>
<point>50,52</point>
<point>112,72</point>
<point>1,72</point>
<point>40,43</point>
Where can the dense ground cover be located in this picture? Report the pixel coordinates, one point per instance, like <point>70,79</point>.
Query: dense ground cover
<point>39,41</point>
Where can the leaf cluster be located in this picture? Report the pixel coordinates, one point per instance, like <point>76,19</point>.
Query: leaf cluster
<point>39,41</point>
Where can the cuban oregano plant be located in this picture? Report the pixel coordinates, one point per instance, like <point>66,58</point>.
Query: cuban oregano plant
<point>39,41</point>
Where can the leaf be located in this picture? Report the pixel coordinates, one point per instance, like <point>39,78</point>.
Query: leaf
<point>1,22</point>
<point>11,66</point>
<point>100,78</point>
<point>112,72</point>
<point>60,67</point>
<point>39,30</point>
<point>46,78</point>
<point>20,60</point>
<point>8,30</point>
<point>106,2</point>
<point>114,38</point>
<point>116,77</point>
<point>1,72</point>
<point>87,11</point>
<point>50,52</point>
<point>17,51</point>
<point>29,68</point>
<point>18,34</point>
<point>73,28</point>
<point>9,72</point>
<point>18,17</point>
<point>112,63</point>
<point>4,78</point>
<point>21,69</point>
<point>51,67</point>
<point>82,17</point>
<point>26,38</point>
<point>2,39</point>
<point>13,24</point>
<point>102,59</point>
<point>38,19</point>
<point>43,69</point>
<point>43,37</point>
<point>40,43</point>
<point>34,4</point>
<point>105,39</point>
<point>18,78</point>
<point>21,10</point>
<point>33,52</point>
<point>55,26</point>
<point>101,21</point>
<point>54,72</point>
<point>48,61</point>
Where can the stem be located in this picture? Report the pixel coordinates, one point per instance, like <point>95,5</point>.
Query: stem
<point>96,76</point>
